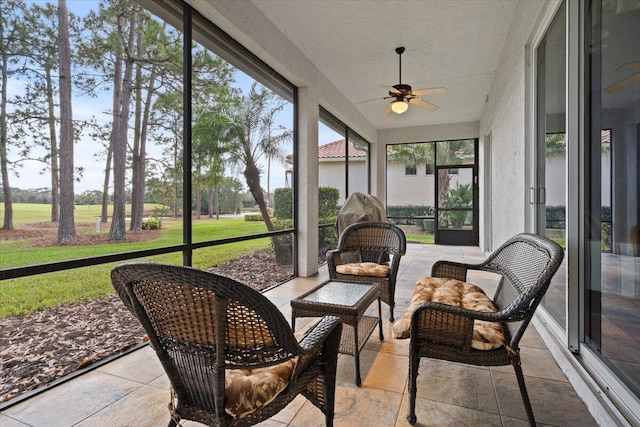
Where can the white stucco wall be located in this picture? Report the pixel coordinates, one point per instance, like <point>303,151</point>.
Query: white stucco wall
<point>506,119</point>
<point>403,189</point>
<point>331,173</point>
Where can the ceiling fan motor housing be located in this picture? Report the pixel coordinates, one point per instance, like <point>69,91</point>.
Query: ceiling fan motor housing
<point>402,88</point>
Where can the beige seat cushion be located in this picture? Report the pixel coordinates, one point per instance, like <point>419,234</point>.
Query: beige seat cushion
<point>247,391</point>
<point>486,335</point>
<point>364,269</point>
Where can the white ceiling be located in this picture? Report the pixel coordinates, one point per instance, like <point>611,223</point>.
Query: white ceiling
<point>456,44</point>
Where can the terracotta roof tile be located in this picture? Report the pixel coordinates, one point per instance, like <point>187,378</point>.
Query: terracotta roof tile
<point>335,149</point>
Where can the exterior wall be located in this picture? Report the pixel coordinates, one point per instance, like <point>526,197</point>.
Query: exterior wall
<point>405,189</point>
<point>331,173</point>
<point>416,190</point>
<point>505,118</point>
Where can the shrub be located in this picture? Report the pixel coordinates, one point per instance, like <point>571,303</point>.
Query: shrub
<point>327,238</point>
<point>283,203</point>
<point>459,197</point>
<point>253,217</point>
<point>405,214</point>
<point>285,257</point>
<point>151,224</point>
<point>160,211</point>
<point>328,201</point>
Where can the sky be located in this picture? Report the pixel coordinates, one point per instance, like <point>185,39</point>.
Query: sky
<point>86,151</point>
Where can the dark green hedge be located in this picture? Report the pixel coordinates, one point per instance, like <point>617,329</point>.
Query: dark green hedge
<point>327,202</point>
<point>283,203</point>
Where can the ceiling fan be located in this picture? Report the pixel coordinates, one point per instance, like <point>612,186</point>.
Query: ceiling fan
<point>403,94</point>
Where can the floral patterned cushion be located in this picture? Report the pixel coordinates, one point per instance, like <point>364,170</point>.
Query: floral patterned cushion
<point>486,335</point>
<point>247,391</point>
<point>364,269</point>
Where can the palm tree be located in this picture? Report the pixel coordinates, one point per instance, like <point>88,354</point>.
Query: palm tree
<point>255,137</point>
<point>411,155</point>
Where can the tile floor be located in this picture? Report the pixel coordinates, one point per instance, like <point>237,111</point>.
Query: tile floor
<point>133,391</point>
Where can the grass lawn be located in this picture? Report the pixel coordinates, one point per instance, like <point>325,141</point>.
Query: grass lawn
<point>28,294</point>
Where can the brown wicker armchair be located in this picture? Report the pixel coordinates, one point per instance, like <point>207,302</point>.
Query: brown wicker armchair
<point>526,263</point>
<point>370,242</point>
<point>209,330</point>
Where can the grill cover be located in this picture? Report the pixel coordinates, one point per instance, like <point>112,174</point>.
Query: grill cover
<point>360,207</point>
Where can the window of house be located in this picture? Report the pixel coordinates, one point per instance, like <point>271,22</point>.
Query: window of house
<point>410,170</point>
<point>428,169</point>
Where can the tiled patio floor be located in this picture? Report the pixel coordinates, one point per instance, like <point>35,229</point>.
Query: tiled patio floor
<point>133,391</point>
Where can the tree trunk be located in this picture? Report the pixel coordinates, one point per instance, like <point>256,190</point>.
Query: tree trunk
<point>66,226</point>
<point>252,175</point>
<point>55,170</point>
<point>136,198</point>
<point>443,183</point>
<point>198,195</point>
<point>176,181</point>
<point>218,201</point>
<point>107,178</point>
<point>140,168</point>
<point>118,223</point>
<point>210,202</point>
<point>117,91</point>
<point>4,161</point>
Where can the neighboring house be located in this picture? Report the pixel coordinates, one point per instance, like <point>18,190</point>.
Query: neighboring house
<point>331,170</point>
<point>407,185</point>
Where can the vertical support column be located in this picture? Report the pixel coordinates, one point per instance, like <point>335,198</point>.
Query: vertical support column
<point>378,158</point>
<point>306,184</point>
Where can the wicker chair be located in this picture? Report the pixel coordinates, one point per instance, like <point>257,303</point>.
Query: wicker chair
<point>526,263</point>
<point>377,242</point>
<point>202,325</point>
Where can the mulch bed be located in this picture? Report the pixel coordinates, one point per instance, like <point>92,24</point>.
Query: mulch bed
<point>51,343</point>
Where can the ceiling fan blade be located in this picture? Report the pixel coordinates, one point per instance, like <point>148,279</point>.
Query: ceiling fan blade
<point>392,89</point>
<point>368,100</point>
<point>422,103</point>
<point>387,111</point>
<point>429,91</point>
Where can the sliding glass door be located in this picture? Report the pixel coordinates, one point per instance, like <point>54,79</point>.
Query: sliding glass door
<point>612,294</point>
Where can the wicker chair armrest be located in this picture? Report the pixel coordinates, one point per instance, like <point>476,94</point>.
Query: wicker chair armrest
<point>395,262</point>
<point>333,259</point>
<point>316,336</point>
<point>453,270</point>
<point>322,341</point>
<point>335,255</point>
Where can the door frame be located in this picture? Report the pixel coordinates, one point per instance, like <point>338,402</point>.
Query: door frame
<point>459,237</point>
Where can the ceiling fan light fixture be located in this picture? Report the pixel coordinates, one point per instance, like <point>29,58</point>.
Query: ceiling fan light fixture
<point>399,106</point>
